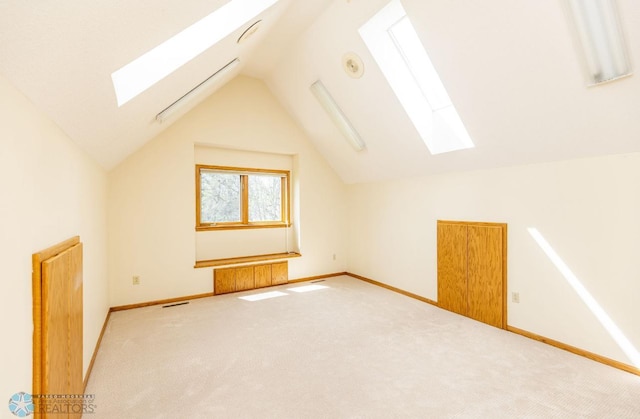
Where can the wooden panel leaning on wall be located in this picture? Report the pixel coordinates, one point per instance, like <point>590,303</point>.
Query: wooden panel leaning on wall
<point>57,336</point>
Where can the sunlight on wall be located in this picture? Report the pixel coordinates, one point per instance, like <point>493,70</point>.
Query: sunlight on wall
<point>604,319</point>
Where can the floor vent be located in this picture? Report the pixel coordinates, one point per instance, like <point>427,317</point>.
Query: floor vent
<point>176,304</point>
<point>320,280</point>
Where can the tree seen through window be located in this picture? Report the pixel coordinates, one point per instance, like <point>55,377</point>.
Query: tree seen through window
<point>233,198</point>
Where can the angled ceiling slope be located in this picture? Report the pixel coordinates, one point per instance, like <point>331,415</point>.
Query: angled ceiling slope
<point>519,90</point>
<point>61,56</point>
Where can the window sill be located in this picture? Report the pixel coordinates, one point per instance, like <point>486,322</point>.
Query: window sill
<point>240,226</point>
<point>244,259</point>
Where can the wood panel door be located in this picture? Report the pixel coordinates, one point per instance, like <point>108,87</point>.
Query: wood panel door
<point>224,280</point>
<point>249,277</point>
<point>58,318</point>
<point>262,274</point>
<point>56,352</point>
<point>244,278</point>
<point>485,288</point>
<point>62,323</point>
<point>472,270</point>
<point>279,273</point>
<point>452,267</point>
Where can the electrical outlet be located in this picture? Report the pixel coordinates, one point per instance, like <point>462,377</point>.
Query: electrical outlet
<point>515,297</point>
<point>334,256</point>
<point>136,280</point>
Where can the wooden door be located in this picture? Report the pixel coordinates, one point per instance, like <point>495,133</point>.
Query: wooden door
<point>262,275</point>
<point>55,321</point>
<point>279,273</point>
<point>58,318</point>
<point>485,285</point>
<point>452,267</point>
<point>76,315</point>
<point>472,270</point>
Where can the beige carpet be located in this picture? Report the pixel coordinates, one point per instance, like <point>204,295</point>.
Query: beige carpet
<point>352,350</point>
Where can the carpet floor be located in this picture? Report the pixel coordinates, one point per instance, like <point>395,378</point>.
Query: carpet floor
<point>350,350</point>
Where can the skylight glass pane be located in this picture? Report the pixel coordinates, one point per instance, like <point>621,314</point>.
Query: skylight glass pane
<point>148,69</point>
<point>416,59</point>
<point>449,129</point>
<point>397,50</point>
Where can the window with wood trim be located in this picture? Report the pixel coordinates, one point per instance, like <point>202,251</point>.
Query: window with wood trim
<point>235,198</point>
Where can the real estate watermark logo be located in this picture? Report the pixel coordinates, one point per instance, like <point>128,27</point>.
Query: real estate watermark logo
<point>21,404</point>
<point>24,404</point>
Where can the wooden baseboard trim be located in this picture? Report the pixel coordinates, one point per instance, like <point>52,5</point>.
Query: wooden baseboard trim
<point>594,357</point>
<point>394,289</point>
<point>313,278</point>
<point>157,302</point>
<point>581,352</point>
<point>209,294</point>
<point>244,259</point>
<point>95,351</point>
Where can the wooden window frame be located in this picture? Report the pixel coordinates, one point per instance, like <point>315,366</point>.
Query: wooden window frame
<point>244,223</point>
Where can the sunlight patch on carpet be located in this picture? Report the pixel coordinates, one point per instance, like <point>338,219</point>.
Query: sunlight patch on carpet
<point>307,288</point>
<point>263,296</point>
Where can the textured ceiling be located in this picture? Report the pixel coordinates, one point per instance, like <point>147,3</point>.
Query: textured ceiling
<point>61,55</point>
<point>509,66</point>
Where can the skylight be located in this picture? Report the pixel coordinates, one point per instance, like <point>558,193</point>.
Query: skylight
<point>396,48</point>
<point>151,67</point>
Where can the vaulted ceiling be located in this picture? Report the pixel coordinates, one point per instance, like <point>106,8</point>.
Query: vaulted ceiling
<point>510,68</point>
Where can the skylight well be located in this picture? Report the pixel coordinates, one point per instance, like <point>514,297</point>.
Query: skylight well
<point>151,67</point>
<point>396,48</point>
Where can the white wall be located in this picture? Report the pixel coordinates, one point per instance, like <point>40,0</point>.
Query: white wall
<point>152,197</point>
<point>51,191</point>
<point>586,209</point>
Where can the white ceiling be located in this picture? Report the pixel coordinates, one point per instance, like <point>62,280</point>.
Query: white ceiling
<point>61,54</point>
<point>509,66</point>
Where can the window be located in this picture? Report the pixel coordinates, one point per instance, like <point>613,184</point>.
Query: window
<point>396,48</point>
<point>234,198</point>
<point>151,67</point>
